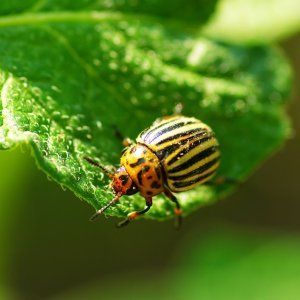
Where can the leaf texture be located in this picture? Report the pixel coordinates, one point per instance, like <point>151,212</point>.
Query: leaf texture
<point>70,74</point>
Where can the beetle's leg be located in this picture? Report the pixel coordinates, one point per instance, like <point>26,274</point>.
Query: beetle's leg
<point>118,133</point>
<point>178,109</point>
<point>177,210</point>
<point>133,215</point>
<point>222,180</point>
<point>125,141</point>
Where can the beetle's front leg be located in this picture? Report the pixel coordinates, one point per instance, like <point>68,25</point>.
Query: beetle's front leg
<point>133,215</point>
<point>125,140</point>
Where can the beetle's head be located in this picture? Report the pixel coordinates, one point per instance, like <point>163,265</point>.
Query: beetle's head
<point>122,183</point>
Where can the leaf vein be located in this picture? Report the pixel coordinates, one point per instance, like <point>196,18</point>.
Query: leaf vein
<point>90,71</point>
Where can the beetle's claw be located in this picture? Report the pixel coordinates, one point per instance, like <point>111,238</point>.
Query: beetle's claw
<point>178,222</point>
<point>123,223</point>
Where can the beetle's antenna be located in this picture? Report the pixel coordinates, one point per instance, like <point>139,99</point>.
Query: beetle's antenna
<point>102,209</point>
<point>96,164</point>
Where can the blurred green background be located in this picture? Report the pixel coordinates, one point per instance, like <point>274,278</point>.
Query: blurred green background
<point>244,247</point>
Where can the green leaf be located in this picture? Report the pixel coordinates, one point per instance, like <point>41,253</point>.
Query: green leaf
<point>254,21</point>
<point>2,139</point>
<point>68,77</point>
<point>197,10</point>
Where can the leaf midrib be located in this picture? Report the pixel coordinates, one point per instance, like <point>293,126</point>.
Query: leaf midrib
<point>92,17</point>
<point>58,17</point>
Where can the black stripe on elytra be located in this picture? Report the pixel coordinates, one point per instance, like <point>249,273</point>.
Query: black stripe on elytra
<point>150,130</point>
<point>168,150</point>
<point>140,161</point>
<point>161,154</point>
<point>181,184</point>
<point>183,134</point>
<point>194,159</point>
<point>197,171</point>
<point>188,149</point>
<point>170,128</point>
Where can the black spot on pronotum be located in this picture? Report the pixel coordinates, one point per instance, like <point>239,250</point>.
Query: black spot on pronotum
<point>139,176</point>
<point>155,185</point>
<point>138,162</point>
<point>149,193</point>
<point>145,169</point>
<point>132,149</point>
<point>158,173</point>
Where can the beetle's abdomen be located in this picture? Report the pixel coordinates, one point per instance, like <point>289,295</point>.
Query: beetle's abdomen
<point>186,148</point>
<point>144,168</point>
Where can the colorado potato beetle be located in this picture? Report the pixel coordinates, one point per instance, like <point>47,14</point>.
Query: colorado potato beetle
<point>174,154</point>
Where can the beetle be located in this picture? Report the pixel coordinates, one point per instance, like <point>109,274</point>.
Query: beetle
<point>173,155</point>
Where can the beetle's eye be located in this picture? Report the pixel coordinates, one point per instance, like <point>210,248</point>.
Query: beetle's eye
<point>124,179</point>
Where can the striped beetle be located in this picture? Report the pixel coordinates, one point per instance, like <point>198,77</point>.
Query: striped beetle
<point>175,154</point>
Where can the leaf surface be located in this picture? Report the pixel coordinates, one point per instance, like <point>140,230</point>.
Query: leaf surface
<point>69,76</point>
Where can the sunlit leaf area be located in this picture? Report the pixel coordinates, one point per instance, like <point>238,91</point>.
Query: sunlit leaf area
<point>75,75</point>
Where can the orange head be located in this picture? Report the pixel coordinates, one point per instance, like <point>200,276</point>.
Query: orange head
<point>122,183</point>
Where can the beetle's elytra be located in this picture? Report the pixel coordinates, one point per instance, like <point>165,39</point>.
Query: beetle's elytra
<point>173,155</point>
